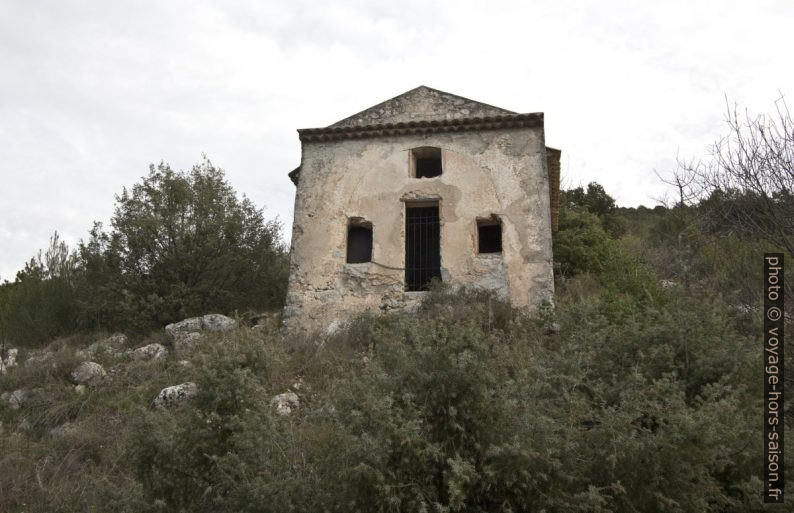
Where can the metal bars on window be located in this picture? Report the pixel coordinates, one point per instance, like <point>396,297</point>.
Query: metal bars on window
<point>422,246</point>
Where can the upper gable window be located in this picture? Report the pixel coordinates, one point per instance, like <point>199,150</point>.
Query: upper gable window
<point>426,162</point>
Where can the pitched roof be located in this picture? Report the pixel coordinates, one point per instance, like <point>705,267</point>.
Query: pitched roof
<point>421,104</point>
<point>421,110</point>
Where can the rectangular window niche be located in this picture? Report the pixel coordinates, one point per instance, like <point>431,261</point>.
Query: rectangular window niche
<point>359,242</point>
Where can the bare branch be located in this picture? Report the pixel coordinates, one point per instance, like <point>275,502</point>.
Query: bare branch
<point>748,179</point>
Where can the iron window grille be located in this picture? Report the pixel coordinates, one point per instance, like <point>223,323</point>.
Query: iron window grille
<point>422,246</point>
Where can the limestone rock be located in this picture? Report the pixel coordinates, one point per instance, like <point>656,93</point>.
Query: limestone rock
<point>117,339</point>
<point>14,399</point>
<point>22,397</point>
<point>97,348</point>
<point>39,359</point>
<point>185,326</point>
<point>10,360</point>
<point>11,357</point>
<point>88,373</point>
<point>286,403</point>
<point>170,396</point>
<point>209,322</point>
<point>149,352</point>
<point>218,322</point>
<point>186,342</point>
<point>111,346</point>
<point>80,389</point>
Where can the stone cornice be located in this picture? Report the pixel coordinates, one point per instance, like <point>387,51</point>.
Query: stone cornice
<point>531,120</point>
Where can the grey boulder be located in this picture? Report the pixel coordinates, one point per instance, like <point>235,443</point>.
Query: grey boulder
<point>88,373</point>
<point>22,397</point>
<point>285,403</point>
<point>149,352</point>
<point>209,322</point>
<point>9,361</point>
<point>173,395</point>
<point>218,322</point>
<point>111,346</point>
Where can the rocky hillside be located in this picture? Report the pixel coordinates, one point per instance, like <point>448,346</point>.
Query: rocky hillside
<point>66,410</point>
<point>634,396</point>
<point>640,390</point>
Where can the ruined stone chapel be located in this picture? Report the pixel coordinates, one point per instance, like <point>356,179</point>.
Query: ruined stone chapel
<point>427,185</point>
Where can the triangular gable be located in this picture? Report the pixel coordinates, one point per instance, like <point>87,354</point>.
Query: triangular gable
<point>421,104</point>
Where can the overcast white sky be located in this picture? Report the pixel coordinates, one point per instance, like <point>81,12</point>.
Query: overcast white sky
<point>91,92</point>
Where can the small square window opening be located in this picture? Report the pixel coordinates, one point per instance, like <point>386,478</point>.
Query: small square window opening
<point>426,162</point>
<point>489,237</point>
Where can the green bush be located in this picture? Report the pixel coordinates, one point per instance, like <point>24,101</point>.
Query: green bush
<point>615,224</point>
<point>467,405</point>
<point>178,456</point>
<point>181,244</point>
<point>41,302</point>
<point>581,245</point>
<point>594,199</point>
<point>627,397</point>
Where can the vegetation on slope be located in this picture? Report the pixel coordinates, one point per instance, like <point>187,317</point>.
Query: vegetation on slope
<point>640,390</point>
<point>179,244</point>
<point>633,394</point>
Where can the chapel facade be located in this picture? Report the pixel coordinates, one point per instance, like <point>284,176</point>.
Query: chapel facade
<point>424,186</point>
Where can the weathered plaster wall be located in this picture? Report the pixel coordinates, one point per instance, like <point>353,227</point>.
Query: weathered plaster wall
<point>496,172</point>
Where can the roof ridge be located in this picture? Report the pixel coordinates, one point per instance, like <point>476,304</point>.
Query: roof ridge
<point>438,104</point>
<point>463,98</point>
